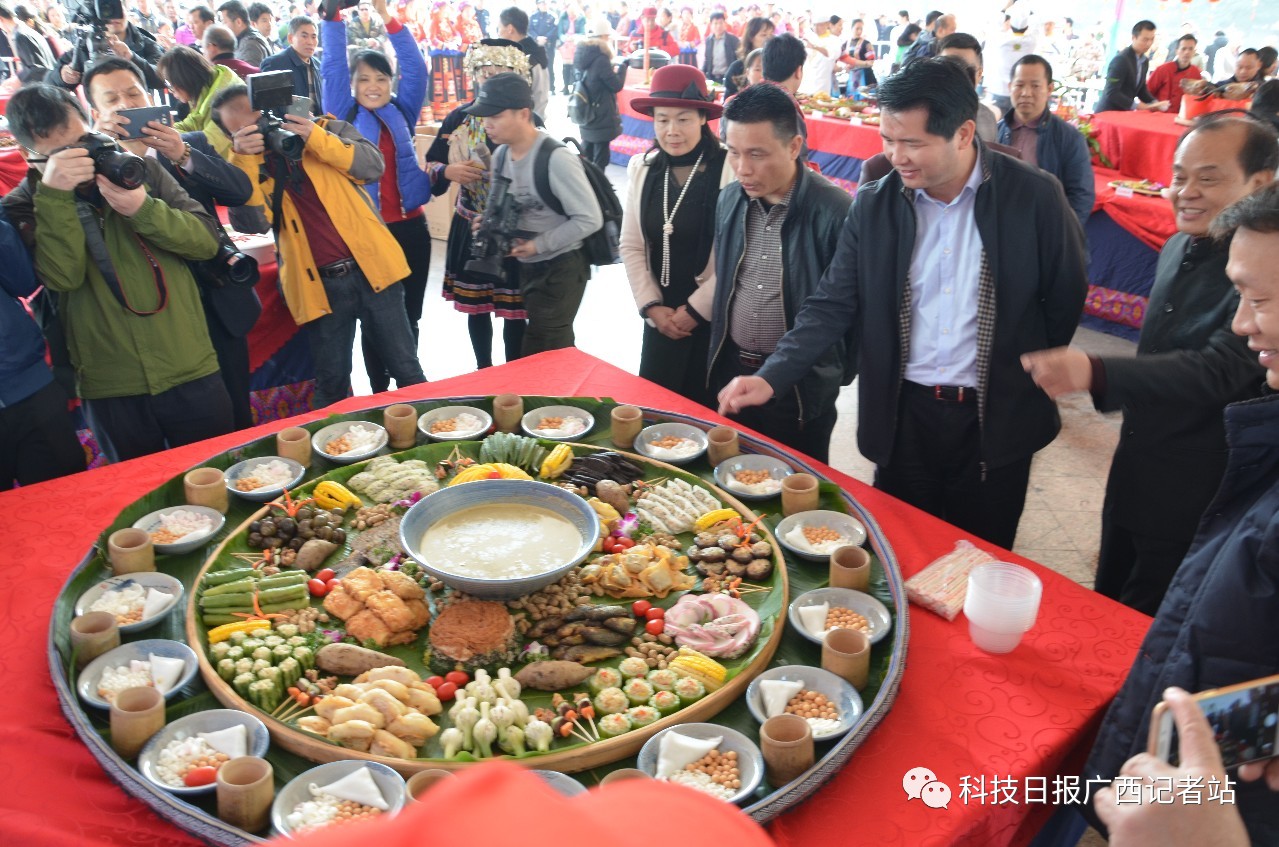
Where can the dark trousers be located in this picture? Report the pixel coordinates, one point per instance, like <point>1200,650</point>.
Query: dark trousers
<point>415,240</point>
<point>597,152</point>
<point>779,418</point>
<point>552,292</point>
<point>570,77</point>
<point>233,361</point>
<point>936,466</point>
<point>128,427</point>
<point>480,328</point>
<point>39,439</point>
<point>1137,569</point>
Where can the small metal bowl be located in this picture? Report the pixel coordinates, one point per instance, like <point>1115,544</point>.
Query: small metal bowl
<point>87,682</point>
<point>749,760</point>
<point>270,492</point>
<point>444,413</point>
<point>151,522</point>
<point>530,421</point>
<point>211,721</point>
<point>644,442</point>
<point>332,431</point>
<point>564,784</point>
<point>298,790</point>
<point>875,612</point>
<point>724,471</point>
<point>834,688</point>
<point>147,580</point>
<point>846,525</point>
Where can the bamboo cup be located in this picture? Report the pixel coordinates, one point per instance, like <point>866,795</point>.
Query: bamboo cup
<point>799,494</point>
<point>419,783</point>
<point>401,425</point>
<point>130,551</point>
<point>246,787</point>
<point>722,443</point>
<point>846,653</point>
<point>294,443</point>
<point>850,568</point>
<point>787,744</point>
<point>207,487</point>
<point>136,715</point>
<point>622,775</point>
<point>508,409</point>
<point>627,423</point>
<point>93,634</point>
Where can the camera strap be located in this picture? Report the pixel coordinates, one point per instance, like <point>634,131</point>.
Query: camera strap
<point>97,245</point>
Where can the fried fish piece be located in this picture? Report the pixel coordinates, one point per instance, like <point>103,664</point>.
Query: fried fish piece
<point>361,582</point>
<point>391,610</point>
<point>367,626</point>
<point>341,604</point>
<point>402,585</point>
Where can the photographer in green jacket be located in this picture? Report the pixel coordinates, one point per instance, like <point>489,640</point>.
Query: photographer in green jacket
<point>112,233</point>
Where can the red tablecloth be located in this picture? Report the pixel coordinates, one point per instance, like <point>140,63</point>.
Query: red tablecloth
<point>12,167</point>
<point>1148,218</point>
<point>960,712</point>
<point>1139,144</point>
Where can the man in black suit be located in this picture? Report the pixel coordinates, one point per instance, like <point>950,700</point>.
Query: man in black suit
<point>1126,76</point>
<point>721,48</point>
<point>230,311</point>
<point>1189,366</point>
<point>30,47</point>
<point>298,57</point>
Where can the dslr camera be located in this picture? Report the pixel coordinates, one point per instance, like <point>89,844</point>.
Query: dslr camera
<point>271,93</point>
<point>92,17</point>
<point>227,267</point>
<point>118,165</point>
<point>499,227</point>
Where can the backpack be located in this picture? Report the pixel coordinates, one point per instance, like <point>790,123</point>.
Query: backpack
<point>601,247</point>
<point>581,109</point>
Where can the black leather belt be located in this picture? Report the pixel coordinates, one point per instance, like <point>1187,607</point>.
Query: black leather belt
<point>946,393</point>
<point>341,268</point>
<point>754,361</point>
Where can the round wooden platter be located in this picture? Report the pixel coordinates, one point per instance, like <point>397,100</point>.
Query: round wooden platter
<point>570,760</point>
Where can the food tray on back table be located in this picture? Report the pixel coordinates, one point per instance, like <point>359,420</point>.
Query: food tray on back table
<point>888,658</point>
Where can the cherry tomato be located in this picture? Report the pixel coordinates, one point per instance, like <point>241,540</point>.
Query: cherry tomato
<point>331,584</point>
<point>435,682</point>
<point>655,626</point>
<point>640,608</point>
<point>625,543</point>
<point>655,614</point>
<point>200,776</point>
<point>325,574</point>
<point>446,691</point>
<point>317,587</point>
<point>458,678</point>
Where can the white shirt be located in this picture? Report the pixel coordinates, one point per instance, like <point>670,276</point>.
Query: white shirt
<point>1007,52</point>
<point>819,70</point>
<point>944,272</point>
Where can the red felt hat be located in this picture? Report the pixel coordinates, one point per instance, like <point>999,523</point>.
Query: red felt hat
<point>680,87</point>
<point>648,12</point>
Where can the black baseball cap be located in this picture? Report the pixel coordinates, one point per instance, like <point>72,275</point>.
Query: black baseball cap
<point>502,92</point>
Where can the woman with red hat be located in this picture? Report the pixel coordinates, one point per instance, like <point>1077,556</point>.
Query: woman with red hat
<point>668,229</point>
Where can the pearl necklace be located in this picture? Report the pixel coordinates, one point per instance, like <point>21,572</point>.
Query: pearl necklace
<point>669,214</point>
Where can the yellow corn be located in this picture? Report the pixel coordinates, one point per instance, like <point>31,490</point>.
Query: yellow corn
<point>557,462</point>
<point>335,495</point>
<point>222,633</point>
<point>689,662</point>
<point>709,519</point>
<point>492,470</point>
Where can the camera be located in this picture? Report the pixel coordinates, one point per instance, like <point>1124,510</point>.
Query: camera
<point>120,166</point>
<point>227,267</point>
<point>271,93</point>
<point>92,16</point>
<point>500,226</point>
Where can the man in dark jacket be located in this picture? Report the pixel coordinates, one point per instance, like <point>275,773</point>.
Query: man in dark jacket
<point>230,311</point>
<point>1126,76</point>
<point>775,233</point>
<point>720,48</point>
<point>947,271</point>
<point>298,57</point>
<point>1044,139</point>
<point>126,41</point>
<point>29,46</point>
<point>219,48</point>
<point>250,46</point>
<point>1189,365</point>
<point>1219,623</point>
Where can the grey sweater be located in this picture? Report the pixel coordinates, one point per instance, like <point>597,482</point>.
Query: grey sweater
<point>553,234</point>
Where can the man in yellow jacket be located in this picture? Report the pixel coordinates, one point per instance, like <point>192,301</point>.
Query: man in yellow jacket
<point>338,261</point>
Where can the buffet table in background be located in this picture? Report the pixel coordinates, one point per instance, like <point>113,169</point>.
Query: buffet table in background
<point>1139,144</point>
<point>960,712</point>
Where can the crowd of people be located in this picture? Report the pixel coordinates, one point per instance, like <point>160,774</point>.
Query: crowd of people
<point>950,285</point>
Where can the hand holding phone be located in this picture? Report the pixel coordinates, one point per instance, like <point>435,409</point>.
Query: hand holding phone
<point>301,107</point>
<point>1243,718</point>
<point>139,118</point>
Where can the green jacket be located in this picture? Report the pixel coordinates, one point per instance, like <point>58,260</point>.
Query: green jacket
<point>117,353</point>
<point>200,118</point>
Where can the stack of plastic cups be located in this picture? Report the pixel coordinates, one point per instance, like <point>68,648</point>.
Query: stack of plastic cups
<point>1001,605</point>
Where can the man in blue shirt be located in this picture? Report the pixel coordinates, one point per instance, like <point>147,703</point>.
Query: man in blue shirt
<point>947,270</point>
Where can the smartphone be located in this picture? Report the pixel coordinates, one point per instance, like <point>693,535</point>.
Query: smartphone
<point>138,118</point>
<point>301,107</point>
<point>1244,718</point>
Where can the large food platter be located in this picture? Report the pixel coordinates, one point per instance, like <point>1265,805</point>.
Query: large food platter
<point>294,751</point>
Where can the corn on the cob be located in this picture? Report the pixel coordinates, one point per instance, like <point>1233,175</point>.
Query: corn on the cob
<point>688,662</point>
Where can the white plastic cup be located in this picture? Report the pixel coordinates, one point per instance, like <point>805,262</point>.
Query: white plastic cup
<point>1001,604</point>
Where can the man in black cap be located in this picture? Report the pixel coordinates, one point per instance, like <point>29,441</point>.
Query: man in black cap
<point>557,210</point>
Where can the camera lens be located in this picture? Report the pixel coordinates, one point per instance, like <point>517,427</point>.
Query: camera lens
<point>124,169</point>
<point>240,269</point>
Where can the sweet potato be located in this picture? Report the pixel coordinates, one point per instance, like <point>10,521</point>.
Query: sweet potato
<point>313,553</point>
<point>352,660</point>
<point>553,675</point>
